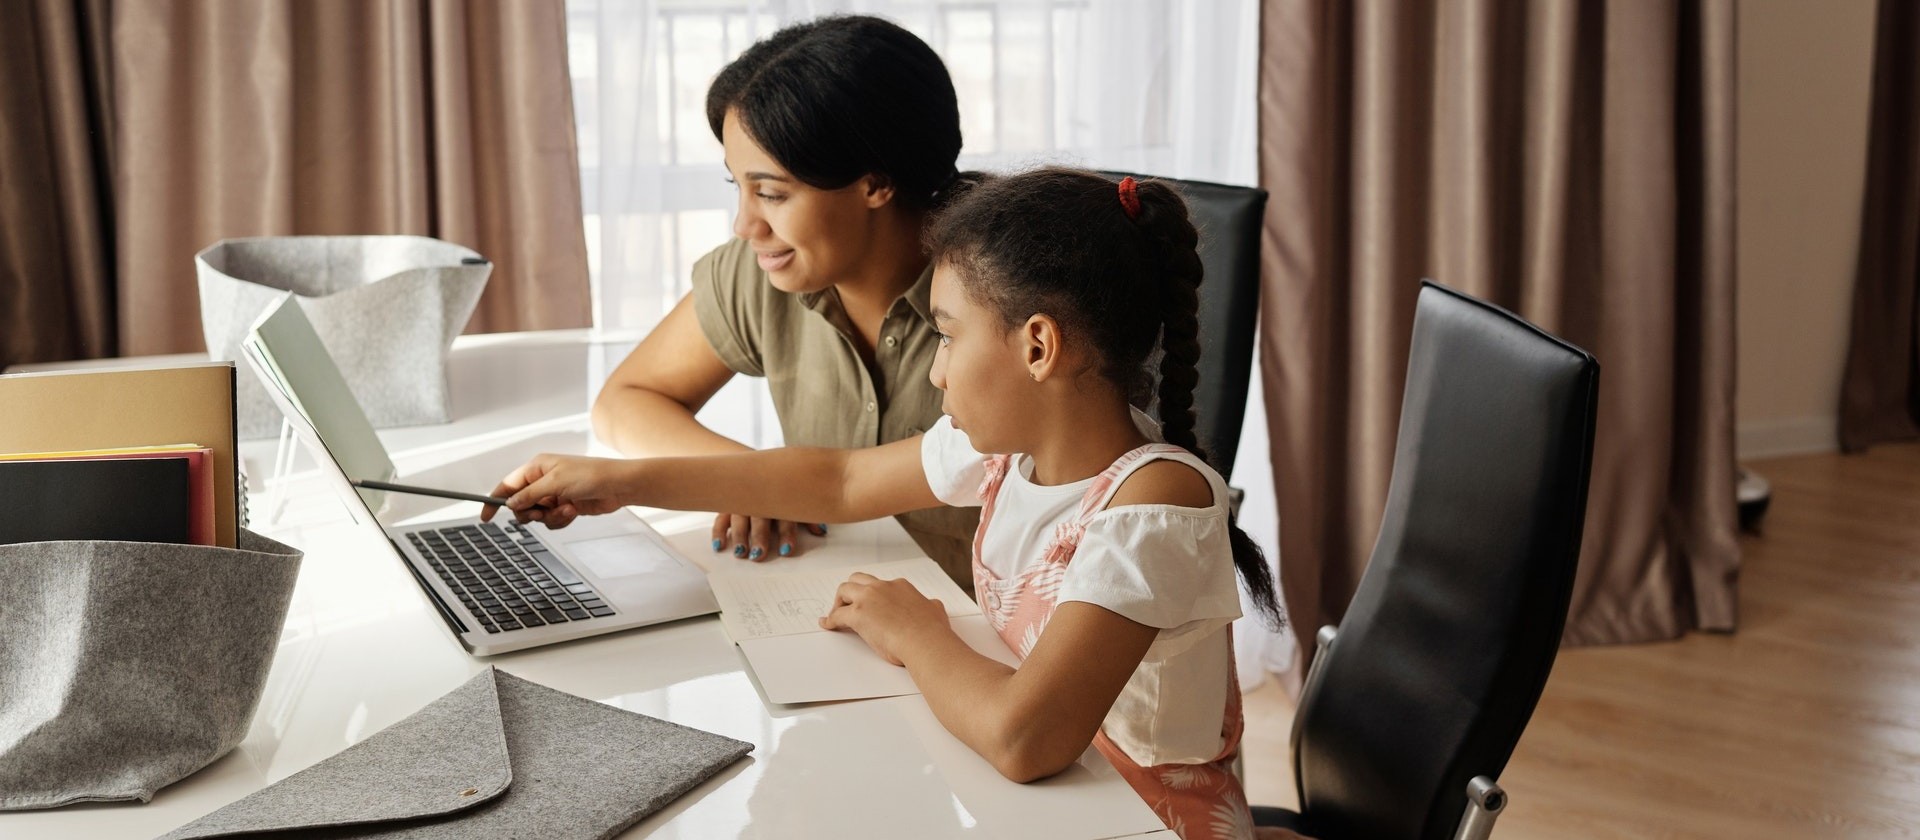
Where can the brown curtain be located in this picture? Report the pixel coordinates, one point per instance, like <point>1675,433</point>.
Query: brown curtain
<point>1880,390</point>
<point>56,224</point>
<point>1572,161</point>
<point>260,117</point>
<point>276,117</point>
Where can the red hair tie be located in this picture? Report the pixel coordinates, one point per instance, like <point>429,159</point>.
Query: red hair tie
<point>1130,197</point>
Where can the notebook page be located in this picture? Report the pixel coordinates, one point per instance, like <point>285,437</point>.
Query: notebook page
<point>761,606</point>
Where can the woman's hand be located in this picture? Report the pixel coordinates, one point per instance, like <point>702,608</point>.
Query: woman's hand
<point>891,616</point>
<point>555,489</point>
<point>760,540</point>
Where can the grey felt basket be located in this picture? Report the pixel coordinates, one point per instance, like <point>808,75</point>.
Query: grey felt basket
<point>386,307</point>
<point>125,667</point>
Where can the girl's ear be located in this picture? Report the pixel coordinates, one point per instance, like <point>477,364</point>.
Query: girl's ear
<point>877,189</point>
<point>1040,346</point>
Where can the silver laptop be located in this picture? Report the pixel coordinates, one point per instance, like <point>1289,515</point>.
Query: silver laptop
<point>499,586</point>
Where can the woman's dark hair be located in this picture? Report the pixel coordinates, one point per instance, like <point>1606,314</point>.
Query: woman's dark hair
<point>842,97</point>
<point>1059,241</point>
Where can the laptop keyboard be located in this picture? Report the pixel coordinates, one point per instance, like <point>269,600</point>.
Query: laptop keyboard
<point>506,577</point>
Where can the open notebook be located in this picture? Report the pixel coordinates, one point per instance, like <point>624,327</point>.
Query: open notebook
<point>775,619</point>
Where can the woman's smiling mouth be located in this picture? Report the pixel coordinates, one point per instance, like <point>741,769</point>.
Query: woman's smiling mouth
<point>771,261</point>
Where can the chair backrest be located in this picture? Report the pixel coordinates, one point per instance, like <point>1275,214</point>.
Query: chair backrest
<point>1229,221</point>
<point>1448,641</point>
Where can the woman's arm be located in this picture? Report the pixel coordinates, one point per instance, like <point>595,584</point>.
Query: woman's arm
<point>794,483</point>
<point>646,408</point>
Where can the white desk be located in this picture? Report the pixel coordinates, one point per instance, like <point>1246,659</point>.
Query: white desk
<point>362,650</point>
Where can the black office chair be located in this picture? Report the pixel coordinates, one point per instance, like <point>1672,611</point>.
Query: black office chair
<point>1412,709</point>
<point>1229,221</point>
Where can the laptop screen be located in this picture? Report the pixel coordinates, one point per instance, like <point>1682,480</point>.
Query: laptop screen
<point>303,381</point>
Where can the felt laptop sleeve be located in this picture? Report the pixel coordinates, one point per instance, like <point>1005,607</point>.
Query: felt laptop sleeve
<point>496,757</point>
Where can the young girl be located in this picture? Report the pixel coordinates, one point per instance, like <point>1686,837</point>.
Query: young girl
<point>1105,556</point>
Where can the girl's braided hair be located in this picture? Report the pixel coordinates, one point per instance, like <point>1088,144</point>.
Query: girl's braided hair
<point>1117,274</point>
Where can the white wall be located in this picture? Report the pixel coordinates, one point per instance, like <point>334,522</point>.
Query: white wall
<point>1805,81</point>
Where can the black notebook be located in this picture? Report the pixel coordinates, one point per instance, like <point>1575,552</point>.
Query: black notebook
<point>133,499</point>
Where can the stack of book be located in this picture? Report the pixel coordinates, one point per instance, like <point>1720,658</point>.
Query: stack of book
<point>137,494</point>
<point>137,455</point>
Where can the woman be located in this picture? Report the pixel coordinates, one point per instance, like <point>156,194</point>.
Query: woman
<point>840,136</point>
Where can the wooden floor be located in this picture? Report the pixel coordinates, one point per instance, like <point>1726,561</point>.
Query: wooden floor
<point>1804,723</point>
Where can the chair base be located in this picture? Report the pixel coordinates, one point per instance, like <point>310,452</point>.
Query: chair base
<point>1485,801</point>
<point>1267,816</point>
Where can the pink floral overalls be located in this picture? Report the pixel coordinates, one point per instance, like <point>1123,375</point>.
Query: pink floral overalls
<point>1195,800</point>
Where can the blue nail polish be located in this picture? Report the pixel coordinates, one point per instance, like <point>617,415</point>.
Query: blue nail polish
<point>823,529</point>
<point>755,555</point>
<point>786,549</point>
<point>739,551</point>
<point>716,545</point>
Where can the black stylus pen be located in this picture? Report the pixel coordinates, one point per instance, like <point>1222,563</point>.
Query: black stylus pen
<point>370,484</point>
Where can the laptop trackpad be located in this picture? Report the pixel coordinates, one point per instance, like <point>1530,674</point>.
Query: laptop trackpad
<point>623,556</point>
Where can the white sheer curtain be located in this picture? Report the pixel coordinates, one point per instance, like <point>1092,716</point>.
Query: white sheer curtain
<point>1160,86</point>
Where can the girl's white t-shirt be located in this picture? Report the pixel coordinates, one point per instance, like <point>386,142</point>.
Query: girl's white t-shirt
<point>1163,566</point>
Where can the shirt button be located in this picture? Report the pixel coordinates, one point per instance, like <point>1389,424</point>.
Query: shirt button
<point>893,341</point>
<point>870,406</point>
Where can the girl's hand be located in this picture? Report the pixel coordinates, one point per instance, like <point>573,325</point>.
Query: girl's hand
<point>760,540</point>
<point>890,615</point>
<point>555,489</point>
